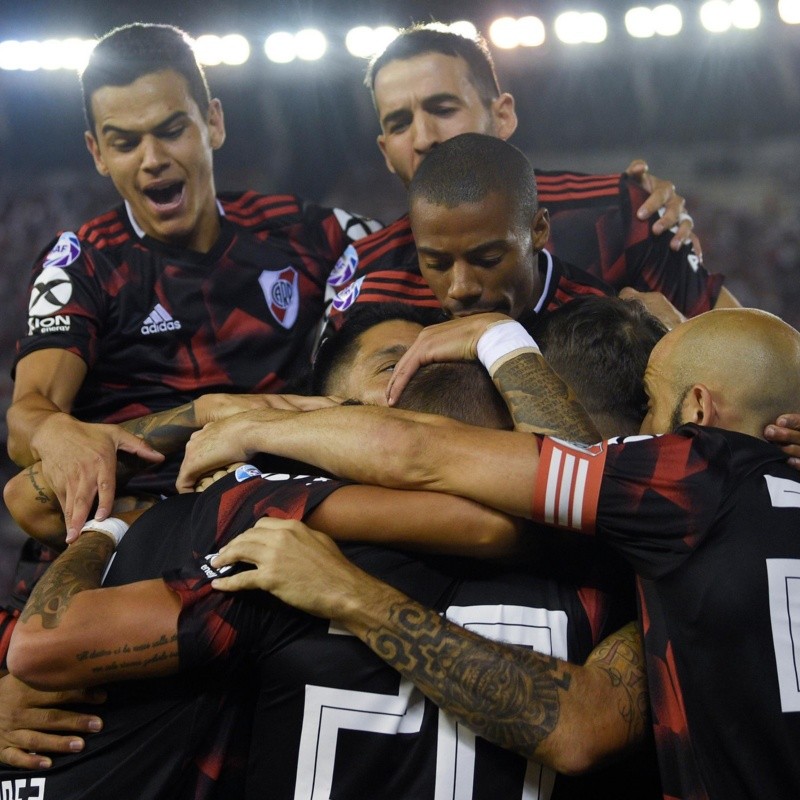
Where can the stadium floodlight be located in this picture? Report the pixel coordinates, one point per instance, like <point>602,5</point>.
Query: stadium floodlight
<point>365,42</point>
<point>208,50</point>
<point>789,11</point>
<point>719,16</point>
<point>575,27</point>
<point>463,27</point>
<point>279,47</point>
<point>664,20</point>
<point>508,33</point>
<point>310,44</point>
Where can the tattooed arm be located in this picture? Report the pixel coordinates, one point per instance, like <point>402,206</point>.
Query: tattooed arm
<point>63,638</point>
<point>566,716</point>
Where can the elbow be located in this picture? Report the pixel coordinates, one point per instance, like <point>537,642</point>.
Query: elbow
<point>32,661</point>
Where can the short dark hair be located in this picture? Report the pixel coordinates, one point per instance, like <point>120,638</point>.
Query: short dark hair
<point>419,39</point>
<point>468,167</point>
<point>338,349</point>
<point>127,53</point>
<point>600,346</point>
<point>461,390</point>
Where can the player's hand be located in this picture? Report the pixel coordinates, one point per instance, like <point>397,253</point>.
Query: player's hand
<point>656,304</point>
<point>454,340</point>
<point>79,462</point>
<point>210,480</point>
<point>28,718</point>
<point>214,407</point>
<point>222,443</point>
<point>785,431</point>
<point>663,195</point>
<point>301,566</point>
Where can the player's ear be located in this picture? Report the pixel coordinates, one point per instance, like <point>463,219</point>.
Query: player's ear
<point>216,124</point>
<point>94,149</point>
<point>504,116</point>
<point>540,228</point>
<point>699,406</point>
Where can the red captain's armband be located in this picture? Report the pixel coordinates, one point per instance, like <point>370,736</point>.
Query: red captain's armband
<point>567,484</point>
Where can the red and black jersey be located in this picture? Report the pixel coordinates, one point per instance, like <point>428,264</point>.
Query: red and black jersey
<point>333,720</point>
<point>709,520</point>
<point>158,325</point>
<point>593,226</point>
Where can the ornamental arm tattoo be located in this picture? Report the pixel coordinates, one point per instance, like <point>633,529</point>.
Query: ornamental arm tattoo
<point>539,706</point>
<point>77,569</point>
<point>540,402</point>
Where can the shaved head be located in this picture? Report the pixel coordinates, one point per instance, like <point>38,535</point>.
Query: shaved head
<point>731,368</point>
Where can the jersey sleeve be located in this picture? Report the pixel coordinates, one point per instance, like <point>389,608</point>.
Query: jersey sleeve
<point>214,625</point>
<point>652,266</point>
<point>652,498</point>
<point>67,304</point>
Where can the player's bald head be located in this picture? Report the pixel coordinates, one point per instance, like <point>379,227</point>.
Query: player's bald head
<point>749,360</point>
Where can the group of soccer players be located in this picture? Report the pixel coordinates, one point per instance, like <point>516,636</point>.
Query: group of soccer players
<point>185,309</point>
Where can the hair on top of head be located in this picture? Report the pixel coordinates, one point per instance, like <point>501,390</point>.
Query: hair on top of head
<point>470,166</point>
<point>461,390</point>
<point>600,346</point>
<point>129,52</point>
<point>422,39</point>
<point>337,351</point>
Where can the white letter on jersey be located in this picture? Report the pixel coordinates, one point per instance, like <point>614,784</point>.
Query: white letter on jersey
<point>783,575</point>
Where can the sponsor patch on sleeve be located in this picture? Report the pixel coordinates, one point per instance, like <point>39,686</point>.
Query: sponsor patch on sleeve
<point>568,484</point>
<point>51,291</point>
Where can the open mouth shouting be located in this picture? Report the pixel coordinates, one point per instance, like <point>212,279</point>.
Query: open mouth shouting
<point>165,197</point>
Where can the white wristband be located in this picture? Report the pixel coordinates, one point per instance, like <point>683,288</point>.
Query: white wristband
<point>501,340</point>
<point>113,527</point>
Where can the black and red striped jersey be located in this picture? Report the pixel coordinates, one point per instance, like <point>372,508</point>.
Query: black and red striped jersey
<point>593,227</point>
<point>709,520</point>
<point>158,325</point>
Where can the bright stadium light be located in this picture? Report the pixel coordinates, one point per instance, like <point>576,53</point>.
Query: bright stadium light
<point>365,42</point>
<point>75,53</point>
<point>508,33</point>
<point>463,28</point>
<point>235,49</point>
<point>311,44</point>
<point>279,47</point>
<point>503,33</point>
<point>789,11</point>
<point>719,16</point>
<point>208,50</point>
<point>663,20</point>
<point>575,27</point>
<point>745,14</point>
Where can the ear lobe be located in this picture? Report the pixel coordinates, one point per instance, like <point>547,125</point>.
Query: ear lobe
<point>504,116</point>
<point>381,140</point>
<point>540,228</point>
<point>94,150</point>
<point>699,406</point>
<point>216,124</point>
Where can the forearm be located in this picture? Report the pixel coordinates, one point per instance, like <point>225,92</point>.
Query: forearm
<point>568,717</point>
<point>25,417</point>
<point>72,633</point>
<point>540,402</point>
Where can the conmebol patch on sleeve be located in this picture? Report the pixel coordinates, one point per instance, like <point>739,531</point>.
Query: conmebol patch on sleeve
<point>568,484</point>
<point>65,251</point>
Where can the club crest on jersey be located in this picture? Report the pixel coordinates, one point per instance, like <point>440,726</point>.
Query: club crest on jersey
<point>345,267</point>
<point>282,294</point>
<point>348,295</point>
<point>65,251</point>
<point>51,291</point>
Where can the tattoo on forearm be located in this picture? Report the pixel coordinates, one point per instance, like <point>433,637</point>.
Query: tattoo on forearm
<point>540,402</point>
<point>166,431</point>
<point>621,657</point>
<point>43,494</point>
<point>509,695</point>
<point>131,656</point>
<point>77,569</point>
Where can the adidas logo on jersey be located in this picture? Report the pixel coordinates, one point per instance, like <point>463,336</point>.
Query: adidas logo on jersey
<point>160,320</point>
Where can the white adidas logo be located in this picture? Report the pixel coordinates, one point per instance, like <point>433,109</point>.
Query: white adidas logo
<point>160,320</point>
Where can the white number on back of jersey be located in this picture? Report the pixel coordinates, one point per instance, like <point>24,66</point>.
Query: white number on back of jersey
<point>783,575</point>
